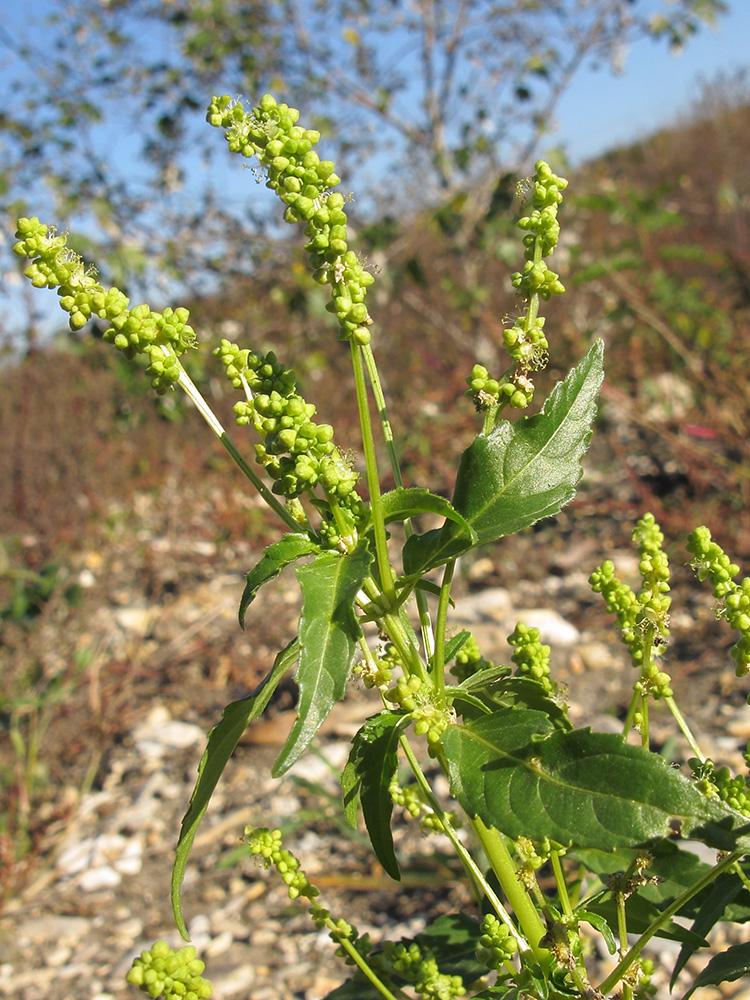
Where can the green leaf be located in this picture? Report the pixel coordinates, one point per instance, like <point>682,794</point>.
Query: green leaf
<point>520,775</point>
<point>367,778</point>
<point>675,869</point>
<point>402,503</point>
<point>287,550</point>
<point>222,741</point>
<point>453,940</point>
<point>641,913</point>
<point>455,644</point>
<point>328,633</point>
<point>598,922</point>
<point>520,472</point>
<point>722,894</point>
<point>723,968</point>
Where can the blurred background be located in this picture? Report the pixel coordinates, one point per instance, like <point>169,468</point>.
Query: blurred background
<point>112,500</point>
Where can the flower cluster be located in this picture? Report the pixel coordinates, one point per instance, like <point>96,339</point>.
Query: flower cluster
<point>407,961</point>
<point>469,660</point>
<point>298,453</point>
<point>525,339</point>
<point>531,656</point>
<point>174,974</point>
<point>413,802</point>
<point>162,337</point>
<point>430,719</point>
<point>304,183</point>
<point>266,845</point>
<point>721,783</point>
<point>711,562</point>
<point>496,944</point>
<point>643,618</point>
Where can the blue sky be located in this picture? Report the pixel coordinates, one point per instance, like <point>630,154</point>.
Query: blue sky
<point>602,110</point>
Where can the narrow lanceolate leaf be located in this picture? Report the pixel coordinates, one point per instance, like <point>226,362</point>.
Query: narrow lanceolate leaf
<point>723,968</point>
<point>521,775</point>
<point>222,741</point>
<point>519,473</point>
<point>274,558</point>
<point>367,778</point>
<point>328,633</point>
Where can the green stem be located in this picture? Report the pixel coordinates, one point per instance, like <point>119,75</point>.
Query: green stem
<point>685,729</point>
<point>526,913</point>
<point>373,480</point>
<point>562,886</point>
<point>438,660</point>
<point>472,869</point>
<point>213,422</point>
<point>379,397</point>
<point>664,917</point>
<point>361,963</point>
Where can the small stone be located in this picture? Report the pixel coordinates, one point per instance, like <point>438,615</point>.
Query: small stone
<point>553,628</point>
<point>160,733</point>
<point>595,655</point>
<point>138,621</point>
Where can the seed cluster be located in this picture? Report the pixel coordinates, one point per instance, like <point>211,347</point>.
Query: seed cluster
<point>711,562</point>
<point>266,845</point>
<point>525,340</point>
<point>531,656</point>
<point>643,618</point>
<point>162,336</point>
<point>496,945</point>
<point>304,184</point>
<point>174,974</point>
<point>721,783</point>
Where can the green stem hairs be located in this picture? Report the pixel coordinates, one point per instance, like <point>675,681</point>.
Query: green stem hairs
<point>604,816</point>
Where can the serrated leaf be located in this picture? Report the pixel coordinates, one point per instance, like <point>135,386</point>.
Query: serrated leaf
<point>519,473</point>
<point>328,633</point>
<point>582,788</point>
<point>525,692</point>
<point>274,558</point>
<point>367,778</point>
<point>402,503</point>
<point>222,741</point>
<point>723,968</point>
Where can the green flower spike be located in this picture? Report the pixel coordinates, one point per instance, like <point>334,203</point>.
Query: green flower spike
<point>304,183</point>
<point>162,337</point>
<point>525,340</point>
<point>711,562</point>
<point>531,656</point>
<point>643,618</point>
<point>174,974</point>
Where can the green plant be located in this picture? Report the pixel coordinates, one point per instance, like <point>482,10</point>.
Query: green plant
<point>605,817</point>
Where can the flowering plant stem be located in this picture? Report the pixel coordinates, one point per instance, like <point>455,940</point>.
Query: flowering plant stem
<point>528,788</point>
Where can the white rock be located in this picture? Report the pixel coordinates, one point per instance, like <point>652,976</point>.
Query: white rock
<point>135,620</point>
<point>160,733</point>
<point>553,628</point>
<point>101,877</point>
<point>493,603</point>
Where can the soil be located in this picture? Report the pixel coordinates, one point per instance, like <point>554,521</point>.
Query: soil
<point>142,666</point>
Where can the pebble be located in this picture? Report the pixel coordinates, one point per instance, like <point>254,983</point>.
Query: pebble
<point>139,621</point>
<point>595,655</point>
<point>493,603</point>
<point>160,733</point>
<point>553,628</point>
